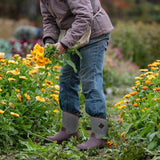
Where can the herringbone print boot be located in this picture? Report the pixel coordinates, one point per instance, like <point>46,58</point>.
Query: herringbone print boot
<point>99,130</point>
<point>69,128</point>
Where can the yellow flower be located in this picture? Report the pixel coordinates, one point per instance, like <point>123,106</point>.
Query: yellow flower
<point>38,98</point>
<point>127,96</point>
<point>27,96</point>
<point>55,111</point>
<point>47,100</point>
<point>33,71</point>
<point>12,62</point>
<point>150,77</point>
<point>121,107</point>
<point>49,82</point>
<point>119,103</point>
<point>126,101</point>
<point>0,90</point>
<point>55,97</point>
<point>11,79</point>
<point>138,99</point>
<point>14,72</point>
<point>17,90</point>
<point>22,77</point>
<point>49,74</point>
<point>154,68</point>
<point>14,114</point>
<point>1,111</point>
<point>157,74</point>
<point>57,87</point>
<point>143,70</point>
<point>138,78</point>
<point>4,103</point>
<point>138,82</point>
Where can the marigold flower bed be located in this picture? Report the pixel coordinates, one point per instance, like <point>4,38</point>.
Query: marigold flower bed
<point>28,97</point>
<point>140,109</point>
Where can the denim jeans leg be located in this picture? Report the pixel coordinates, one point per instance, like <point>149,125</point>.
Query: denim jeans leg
<point>91,74</point>
<point>69,86</point>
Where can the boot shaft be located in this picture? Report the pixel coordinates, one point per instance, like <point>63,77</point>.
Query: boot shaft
<point>70,122</point>
<point>99,127</point>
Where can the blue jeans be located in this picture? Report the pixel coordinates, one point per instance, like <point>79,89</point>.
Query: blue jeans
<point>90,74</point>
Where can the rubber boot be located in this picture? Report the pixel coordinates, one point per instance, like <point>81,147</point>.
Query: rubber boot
<point>99,131</point>
<point>69,128</point>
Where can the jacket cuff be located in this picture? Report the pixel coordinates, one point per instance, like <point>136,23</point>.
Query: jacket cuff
<point>48,40</point>
<point>64,46</point>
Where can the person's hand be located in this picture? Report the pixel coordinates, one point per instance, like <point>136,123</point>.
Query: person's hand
<point>45,46</point>
<point>60,48</point>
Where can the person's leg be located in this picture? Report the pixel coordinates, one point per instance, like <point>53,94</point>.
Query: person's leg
<point>91,74</point>
<point>69,86</point>
<point>69,102</point>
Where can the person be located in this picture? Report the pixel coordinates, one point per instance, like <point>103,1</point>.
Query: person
<point>75,16</point>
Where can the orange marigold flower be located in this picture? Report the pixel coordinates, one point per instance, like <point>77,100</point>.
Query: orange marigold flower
<point>147,82</point>
<point>115,145</point>
<point>144,87</point>
<point>1,75</point>
<point>150,65</point>
<point>121,115</point>
<point>42,89</point>
<point>157,88</point>
<point>133,93</point>
<point>19,97</point>
<point>135,105</point>
<point>1,57</point>
<point>138,89</point>
<point>109,143</point>
<point>155,99</point>
<point>57,67</point>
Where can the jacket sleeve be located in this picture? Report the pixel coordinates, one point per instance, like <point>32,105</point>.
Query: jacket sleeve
<point>50,28</point>
<point>83,13</point>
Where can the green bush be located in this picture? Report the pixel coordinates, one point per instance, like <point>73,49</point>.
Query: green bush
<point>117,70</point>
<point>138,42</point>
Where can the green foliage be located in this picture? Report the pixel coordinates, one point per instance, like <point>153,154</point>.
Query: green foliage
<point>52,53</point>
<point>138,42</point>
<point>143,10</point>
<point>140,109</point>
<point>117,70</point>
